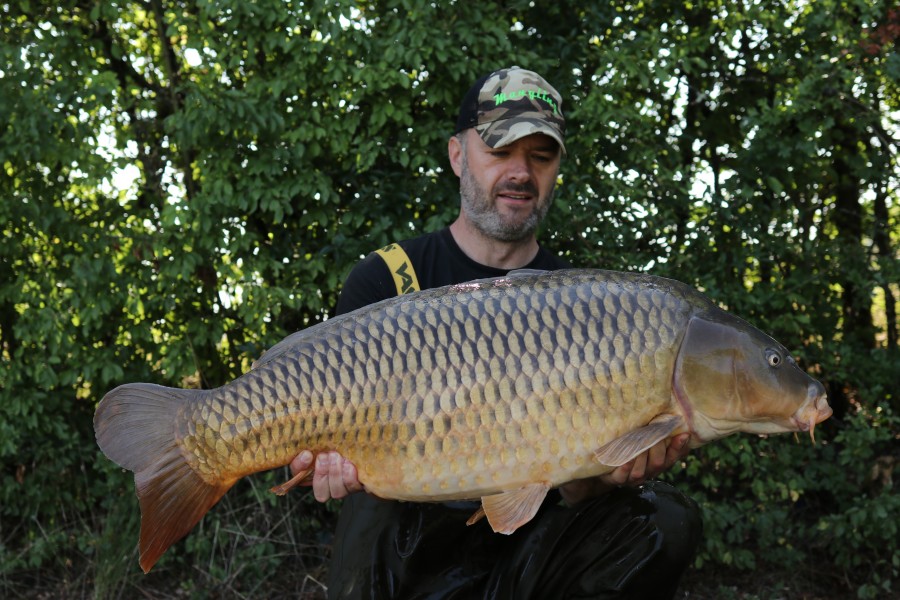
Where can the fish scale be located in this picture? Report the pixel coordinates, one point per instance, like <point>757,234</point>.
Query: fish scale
<point>498,389</point>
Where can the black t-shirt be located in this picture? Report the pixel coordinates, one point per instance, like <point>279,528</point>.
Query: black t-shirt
<point>437,260</point>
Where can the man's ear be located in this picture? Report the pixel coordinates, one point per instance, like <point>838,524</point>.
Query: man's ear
<point>455,152</point>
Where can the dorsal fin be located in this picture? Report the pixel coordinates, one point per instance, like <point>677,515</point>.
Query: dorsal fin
<point>526,272</point>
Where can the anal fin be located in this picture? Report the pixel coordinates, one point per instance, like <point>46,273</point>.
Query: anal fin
<point>477,516</point>
<point>302,477</point>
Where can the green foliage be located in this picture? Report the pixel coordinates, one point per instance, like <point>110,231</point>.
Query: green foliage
<point>863,534</point>
<point>773,504</point>
<point>185,182</point>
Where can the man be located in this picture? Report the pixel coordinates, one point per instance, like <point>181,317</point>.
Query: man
<point>603,540</point>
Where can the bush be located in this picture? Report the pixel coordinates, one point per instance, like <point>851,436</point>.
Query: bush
<point>774,505</point>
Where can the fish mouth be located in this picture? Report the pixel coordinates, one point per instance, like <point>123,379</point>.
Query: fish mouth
<point>814,410</point>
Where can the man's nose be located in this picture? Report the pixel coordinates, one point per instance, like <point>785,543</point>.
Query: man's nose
<point>519,169</point>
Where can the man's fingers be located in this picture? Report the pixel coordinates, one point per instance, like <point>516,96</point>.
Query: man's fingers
<point>620,475</point>
<point>350,477</point>
<point>656,460</point>
<point>639,469</point>
<point>328,482</point>
<point>336,477</point>
<point>677,449</point>
<point>301,462</point>
<point>322,477</point>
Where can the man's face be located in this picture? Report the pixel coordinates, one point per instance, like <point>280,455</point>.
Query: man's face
<point>506,191</point>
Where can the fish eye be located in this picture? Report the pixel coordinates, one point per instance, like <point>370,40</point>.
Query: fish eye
<point>773,358</point>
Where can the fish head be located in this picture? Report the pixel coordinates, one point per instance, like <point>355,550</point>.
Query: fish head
<point>732,377</point>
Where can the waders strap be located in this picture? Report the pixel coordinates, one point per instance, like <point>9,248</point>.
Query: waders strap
<point>400,267</point>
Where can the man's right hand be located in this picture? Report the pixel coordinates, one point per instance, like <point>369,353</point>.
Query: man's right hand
<point>334,476</point>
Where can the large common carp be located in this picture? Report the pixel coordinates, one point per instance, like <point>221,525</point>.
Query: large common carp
<point>497,389</point>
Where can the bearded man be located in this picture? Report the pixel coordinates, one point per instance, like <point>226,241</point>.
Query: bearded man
<point>614,536</point>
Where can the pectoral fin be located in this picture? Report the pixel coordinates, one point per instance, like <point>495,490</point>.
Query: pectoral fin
<point>622,449</point>
<point>508,511</point>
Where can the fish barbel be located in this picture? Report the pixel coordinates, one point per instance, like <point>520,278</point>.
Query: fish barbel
<point>497,389</point>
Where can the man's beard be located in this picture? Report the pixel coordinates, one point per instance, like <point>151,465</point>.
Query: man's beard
<point>483,214</point>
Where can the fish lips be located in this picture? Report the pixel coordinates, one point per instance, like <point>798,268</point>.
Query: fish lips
<point>813,411</point>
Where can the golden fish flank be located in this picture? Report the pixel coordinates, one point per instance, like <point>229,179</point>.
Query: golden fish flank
<point>498,389</point>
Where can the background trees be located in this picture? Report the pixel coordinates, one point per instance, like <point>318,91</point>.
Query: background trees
<point>183,183</point>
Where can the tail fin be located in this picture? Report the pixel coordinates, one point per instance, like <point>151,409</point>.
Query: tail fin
<point>135,427</point>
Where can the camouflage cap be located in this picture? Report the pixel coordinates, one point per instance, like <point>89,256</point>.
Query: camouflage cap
<point>512,103</point>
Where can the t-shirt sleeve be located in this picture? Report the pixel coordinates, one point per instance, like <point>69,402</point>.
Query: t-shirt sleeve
<point>368,282</point>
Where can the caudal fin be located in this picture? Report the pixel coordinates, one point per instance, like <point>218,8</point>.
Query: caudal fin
<point>135,427</point>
